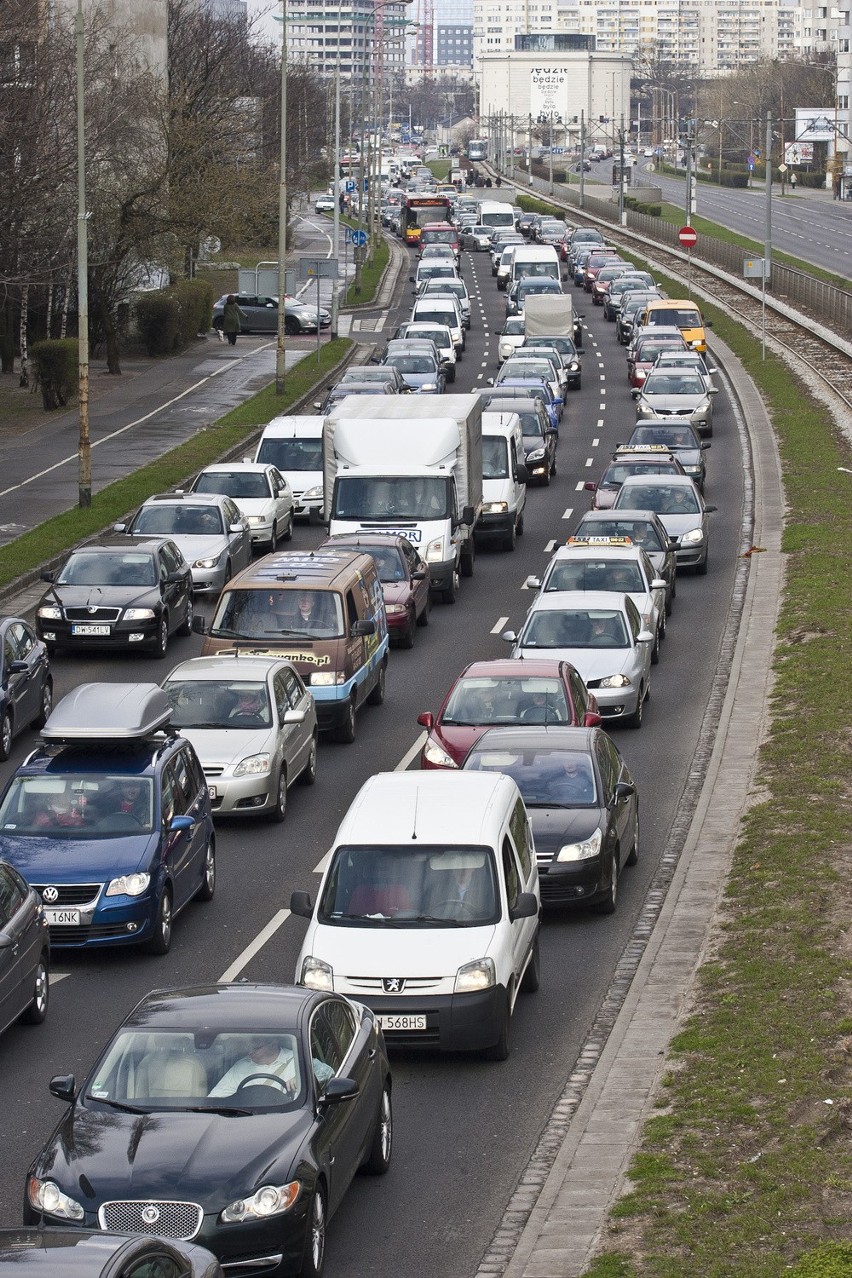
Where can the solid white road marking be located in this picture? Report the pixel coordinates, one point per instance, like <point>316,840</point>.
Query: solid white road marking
<point>501,625</point>
<point>264,935</point>
<point>410,753</point>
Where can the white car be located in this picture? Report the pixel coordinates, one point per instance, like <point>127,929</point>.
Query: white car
<point>440,335</point>
<point>253,725</point>
<point>324,204</point>
<point>260,491</point>
<point>603,637</point>
<point>457,288</point>
<point>293,444</point>
<point>511,338</point>
<point>609,563</point>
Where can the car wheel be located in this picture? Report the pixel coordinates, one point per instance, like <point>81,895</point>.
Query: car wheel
<point>273,540</point>
<point>5,736</point>
<point>379,1157</point>
<point>701,569</point>
<point>423,619</point>
<point>292,327</point>
<point>278,811</point>
<point>450,592</point>
<point>345,731</point>
<point>314,1257</point>
<point>185,628</point>
<point>451,373</point>
<point>532,976</point>
<point>309,772</point>
<point>377,694</point>
<point>46,704</point>
<point>288,535</point>
<point>468,558</point>
<point>161,643</point>
<point>161,940</point>
<point>510,540</point>
<point>553,465</point>
<point>519,527</point>
<point>37,1010</point>
<point>663,626</point>
<point>633,854</point>
<point>655,651</point>
<point>406,636</point>
<point>208,883</point>
<point>635,719</point>
<point>499,1051</point>
<point>608,904</point>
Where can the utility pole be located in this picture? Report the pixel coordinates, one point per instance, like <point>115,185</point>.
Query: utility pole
<point>280,354</point>
<point>621,173</point>
<point>550,154</point>
<point>335,283</point>
<point>688,175</point>
<point>582,156</point>
<point>767,251</point>
<point>84,447</point>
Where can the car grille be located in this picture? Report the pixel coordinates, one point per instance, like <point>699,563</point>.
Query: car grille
<point>214,769</point>
<point>173,1219</point>
<point>373,984</point>
<point>673,412</point>
<point>92,614</point>
<point>70,893</point>
<point>430,1037</point>
<point>70,935</point>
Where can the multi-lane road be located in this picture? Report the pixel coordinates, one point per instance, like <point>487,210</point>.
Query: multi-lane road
<point>464,1128</point>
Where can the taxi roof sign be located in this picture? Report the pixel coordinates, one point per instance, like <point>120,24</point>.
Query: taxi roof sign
<point>582,542</point>
<point>625,449</point>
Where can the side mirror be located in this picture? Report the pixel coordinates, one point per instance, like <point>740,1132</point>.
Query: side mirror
<point>522,473</point>
<point>635,392</point>
<point>420,575</point>
<point>300,904</point>
<point>509,636</point>
<point>526,907</point>
<point>17,667</point>
<point>318,404</point>
<point>708,323</point>
<point>293,716</point>
<point>533,583</point>
<point>199,625</point>
<point>704,445</point>
<point>468,516</point>
<point>119,528</point>
<point>591,719</point>
<point>490,381</point>
<point>182,822</point>
<point>48,576</point>
<point>172,577</point>
<point>362,628</point>
<point>237,528</point>
<point>590,486</point>
<point>623,790</point>
<point>658,584</point>
<point>63,1087</point>
<point>338,1090</point>
<point>709,509</point>
<point>644,636</point>
<point>713,390</point>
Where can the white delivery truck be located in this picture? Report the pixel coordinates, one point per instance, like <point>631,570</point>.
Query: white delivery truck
<point>412,469</point>
<point>552,315</point>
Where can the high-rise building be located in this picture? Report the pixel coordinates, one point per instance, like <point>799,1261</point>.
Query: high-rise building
<point>361,38</point>
<point>229,10</point>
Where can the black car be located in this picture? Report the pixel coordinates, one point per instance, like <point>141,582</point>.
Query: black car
<point>24,951</point>
<point>92,1253</point>
<point>233,1116</point>
<point>645,529</point>
<point>540,438</point>
<point>582,804</point>
<point>681,440</point>
<point>115,595</point>
<point>26,685</point>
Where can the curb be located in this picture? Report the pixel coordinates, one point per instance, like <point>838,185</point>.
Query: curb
<point>396,252</point>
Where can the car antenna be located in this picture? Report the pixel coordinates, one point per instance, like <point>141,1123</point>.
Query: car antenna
<point>414,824</point>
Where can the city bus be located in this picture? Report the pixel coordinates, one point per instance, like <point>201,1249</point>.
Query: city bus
<point>420,209</point>
<point>477,149</point>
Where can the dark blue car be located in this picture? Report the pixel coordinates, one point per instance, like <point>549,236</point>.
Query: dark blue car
<point>533,388</point>
<point>109,820</point>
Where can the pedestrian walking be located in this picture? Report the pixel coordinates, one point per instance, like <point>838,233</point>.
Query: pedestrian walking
<point>792,181</point>
<point>232,318</point>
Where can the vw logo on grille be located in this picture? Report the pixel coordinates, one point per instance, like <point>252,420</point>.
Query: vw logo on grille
<point>50,894</point>
<point>393,984</point>
<point>150,1214</point>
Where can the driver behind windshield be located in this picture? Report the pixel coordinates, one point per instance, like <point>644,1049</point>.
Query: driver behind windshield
<point>265,1056</point>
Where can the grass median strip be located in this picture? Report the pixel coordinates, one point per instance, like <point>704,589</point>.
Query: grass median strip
<point>746,1170</point>
<point>371,274</point>
<point>111,503</point>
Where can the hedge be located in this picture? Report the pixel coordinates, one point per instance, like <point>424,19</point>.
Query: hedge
<point>171,319</point>
<point>57,365</point>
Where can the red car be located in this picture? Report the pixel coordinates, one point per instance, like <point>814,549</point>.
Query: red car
<point>488,693</point>
<point>643,352</point>
<point>405,581</point>
<point>595,262</point>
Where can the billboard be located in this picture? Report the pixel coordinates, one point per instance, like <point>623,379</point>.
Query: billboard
<point>549,94</point>
<point>815,124</point>
<point>799,153</point>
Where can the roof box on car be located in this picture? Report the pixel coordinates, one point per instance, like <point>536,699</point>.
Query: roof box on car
<point>112,712</point>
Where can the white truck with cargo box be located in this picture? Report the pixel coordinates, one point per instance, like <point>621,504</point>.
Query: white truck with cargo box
<point>552,315</point>
<point>411,469</point>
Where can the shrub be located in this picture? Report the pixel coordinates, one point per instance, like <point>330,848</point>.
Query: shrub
<point>158,319</point>
<point>830,1260</point>
<point>652,210</point>
<point>56,369</point>
<point>195,301</point>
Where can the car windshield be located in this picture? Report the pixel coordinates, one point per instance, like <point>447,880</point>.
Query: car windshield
<point>685,383</point>
<point>91,568</point>
<point>649,348</point>
<point>410,887</point>
<point>477,701</point>
<point>430,333</point>
<point>292,454</point>
<point>277,613</point>
<point>234,483</point>
<point>641,532</point>
<point>615,475</point>
<point>78,806</point>
<point>514,327</point>
<point>575,628</point>
<point>495,457</point>
<point>218,703</point>
<point>439,237</point>
<point>684,318</point>
<point>421,498</point>
<point>532,426</point>
<point>525,368</point>
<point>364,375</point>
<point>151,1070</point>
<point>413,363</point>
<point>436,271</point>
<point>660,498</point>
<point>178,521</point>
<point>595,574</point>
<point>564,345</point>
<point>546,778</point>
<point>388,560</point>
<point>670,436</point>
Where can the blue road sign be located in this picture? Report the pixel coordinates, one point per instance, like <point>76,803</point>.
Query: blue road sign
<point>366,184</point>
<point>350,184</point>
<point>359,238</point>
<point>750,165</point>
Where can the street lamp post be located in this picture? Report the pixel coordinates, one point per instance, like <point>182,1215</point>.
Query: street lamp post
<point>84,447</point>
<point>280,352</point>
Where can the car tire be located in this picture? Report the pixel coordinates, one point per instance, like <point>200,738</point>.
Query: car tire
<point>701,569</point>
<point>635,719</point>
<point>161,941</point>
<point>377,693</point>
<point>185,627</point>
<point>288,535</point>
<point>450,592</point>
<point>37,1010</point>
<point>161,643</point>
<point>273,540</point>
<point>499,1051</point>
<point>292,327</point>
<point>208,883</point>
<point>423,619</point>
<point>278,809</point>
<point>406,636</point>
<point>467,559</point>
<point>6,733</point>
<point>655,650</point>
<point>378,1160</point>
<point>46,704</point>
<point>511,539</point>
<point>633,854</point>
<point>345,731</point>
<point>532,976</point>
<point>314,1256</point>
<point>308,775</point>
<point>609,903</point>
<point>519,527</point>
<point>553,466</point>
<point>451,373</point>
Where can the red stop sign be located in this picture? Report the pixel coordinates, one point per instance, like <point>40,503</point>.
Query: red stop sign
<point>687,236</point>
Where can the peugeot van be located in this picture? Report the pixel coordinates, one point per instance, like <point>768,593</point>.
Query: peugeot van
<point>325,612</point>
<point>294,445</point>
<point>504,479</point>
<point>428,910</point>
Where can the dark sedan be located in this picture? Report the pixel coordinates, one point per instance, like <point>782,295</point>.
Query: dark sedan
<point>582,804</point>
<point>233,1116</point>
<point>26,685</point>
<point>682,442</point>
<point>24,951</point>
<point>79,1253</point>
<point>405,577</point>
<point>115,595</point>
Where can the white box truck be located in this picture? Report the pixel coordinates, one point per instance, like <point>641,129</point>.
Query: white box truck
<point>552,315</point>
<point>409,467</point>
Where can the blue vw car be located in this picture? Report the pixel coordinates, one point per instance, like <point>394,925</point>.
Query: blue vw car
<point>109,819</point>
<point>533,388</point>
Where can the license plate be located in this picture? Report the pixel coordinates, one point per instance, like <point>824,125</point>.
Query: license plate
<point>402,1022</point>
<point>63,918</point>
<point>90,630</point>
<point>211,790</point>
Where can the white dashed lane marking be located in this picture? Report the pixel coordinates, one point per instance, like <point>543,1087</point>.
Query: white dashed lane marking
<point>501,625</point>
<point>595,442</point>
<point>550,547</point>
<point>581,483</point>
<point>568,512</point>
<point>590,461</point>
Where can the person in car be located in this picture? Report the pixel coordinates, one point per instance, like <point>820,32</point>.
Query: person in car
<point>265,1057</point>
<point>60,810</point>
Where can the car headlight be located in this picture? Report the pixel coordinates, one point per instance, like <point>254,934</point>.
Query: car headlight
<point>138,614</point>
<point>46,1196</point>
<point>257,521</point>
<point>536,455</point>
<point>270,1200</point>
<point>583,851</point>
<point>128,885</point>
<point>317,975</point>
<point>429,386</point>
<point>478,975</point>
<point>50,612</point>
<point>253,766</point>
<point>573,367</point>
<point>316,491</point>
<point>702,408</point>
<point>495,507</point>
<point>694,537</point>
<point>615,681</point>
<point>435,551</point>
<point>433,753</point>
<point>692,470</point>
<point>210,562</point>
<point>327,678</point>
<point>395,610</point>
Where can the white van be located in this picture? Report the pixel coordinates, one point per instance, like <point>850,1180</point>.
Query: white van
<point>493,213</point>
<point>504,479</point>
<point>441,310</point>
<point>428,910</point>
<point>540,260</point>
<point>294,445</point>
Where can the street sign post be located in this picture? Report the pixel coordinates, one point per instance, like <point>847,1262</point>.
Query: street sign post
<point>687,236</point>
<point>359,238</point>
<point>318,268</point>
